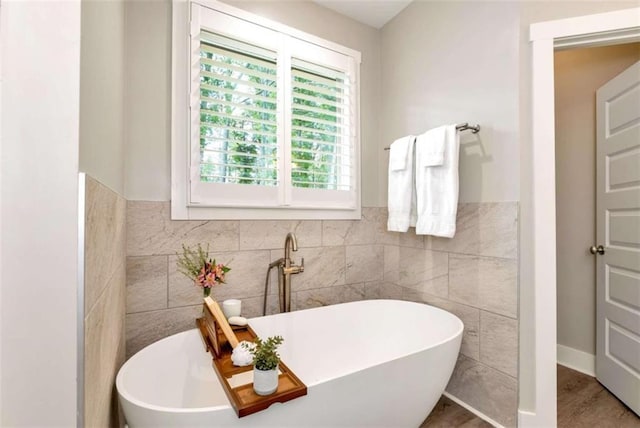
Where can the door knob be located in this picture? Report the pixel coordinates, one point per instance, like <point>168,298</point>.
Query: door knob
<point>596,250</point>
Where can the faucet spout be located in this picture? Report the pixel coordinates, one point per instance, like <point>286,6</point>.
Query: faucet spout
<point>290,244</point>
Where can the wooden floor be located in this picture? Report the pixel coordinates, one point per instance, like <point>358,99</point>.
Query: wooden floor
<point>448,414</point>
<point>582,403</point>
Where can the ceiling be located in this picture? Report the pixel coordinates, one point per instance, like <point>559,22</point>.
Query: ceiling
<point>375,13</point>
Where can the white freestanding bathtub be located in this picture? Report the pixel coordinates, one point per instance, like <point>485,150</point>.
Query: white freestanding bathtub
<point>374,363</point>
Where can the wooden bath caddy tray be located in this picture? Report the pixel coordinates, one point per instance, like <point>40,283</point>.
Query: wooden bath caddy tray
<point>219,339</point>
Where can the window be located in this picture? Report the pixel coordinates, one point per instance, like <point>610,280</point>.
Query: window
<point>270,125</point>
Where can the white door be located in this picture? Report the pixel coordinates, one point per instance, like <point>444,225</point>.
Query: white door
<point>618,232</point>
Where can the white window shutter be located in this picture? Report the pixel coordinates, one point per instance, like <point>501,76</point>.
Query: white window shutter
<point>273,119</point>
<point>320,142</point>
<point>324,141</point>
<point>238,117</point>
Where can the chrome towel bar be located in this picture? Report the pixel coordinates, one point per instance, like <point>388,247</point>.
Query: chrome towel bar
<point>462,127</point>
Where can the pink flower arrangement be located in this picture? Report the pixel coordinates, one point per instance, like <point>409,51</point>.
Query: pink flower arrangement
<point>211,274</point>
<point>198,266</point>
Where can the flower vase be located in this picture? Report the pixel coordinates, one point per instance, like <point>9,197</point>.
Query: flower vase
<point>265,382</point>
<point>206,291</point>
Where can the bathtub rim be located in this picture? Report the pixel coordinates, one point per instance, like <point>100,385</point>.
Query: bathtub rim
<point>145,405</point>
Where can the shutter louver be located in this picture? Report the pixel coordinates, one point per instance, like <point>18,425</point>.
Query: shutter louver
<point>321,149</point>
<point>238,113</point>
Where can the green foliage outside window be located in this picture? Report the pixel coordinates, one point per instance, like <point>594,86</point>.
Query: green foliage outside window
<point>238,141</point>
<point>314,147</point>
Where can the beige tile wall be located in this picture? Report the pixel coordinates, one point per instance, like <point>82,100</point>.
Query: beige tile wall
<point>105,301</point>
<point>473,275</point>
<point>343,262</point>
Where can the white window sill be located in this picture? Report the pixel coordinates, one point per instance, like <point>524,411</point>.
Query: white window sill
<point>210,213</point>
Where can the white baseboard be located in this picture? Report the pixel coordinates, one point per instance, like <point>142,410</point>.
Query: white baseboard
<point>472,410</point>
<point>577,360</point>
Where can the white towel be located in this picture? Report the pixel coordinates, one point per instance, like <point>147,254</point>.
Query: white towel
<point>401,201</point>
<point>437,152</point>
<point>432,144</point>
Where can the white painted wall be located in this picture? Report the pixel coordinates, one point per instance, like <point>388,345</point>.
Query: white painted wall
<point>40,118</point>
<point>148,100</point>
<point>452,62</point>
<point>101,92</point>
<point>148,66</point>
<point>578,75</point>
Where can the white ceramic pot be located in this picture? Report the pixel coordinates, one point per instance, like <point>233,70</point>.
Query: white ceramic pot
<point>265,382</point>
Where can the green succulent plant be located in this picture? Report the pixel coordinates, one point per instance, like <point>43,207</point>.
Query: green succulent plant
<point>265,354</point>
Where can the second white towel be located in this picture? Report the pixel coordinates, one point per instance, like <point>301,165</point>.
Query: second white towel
<point>437,181</point>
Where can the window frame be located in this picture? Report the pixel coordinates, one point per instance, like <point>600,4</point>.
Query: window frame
<point>184,26</point>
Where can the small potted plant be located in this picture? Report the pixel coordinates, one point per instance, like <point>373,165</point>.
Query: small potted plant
<point>265,364</point>
<point>199,267</point>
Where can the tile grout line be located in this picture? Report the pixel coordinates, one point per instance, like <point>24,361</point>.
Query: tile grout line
<point>480,336</point>
<point>467,305</point>
<point>448,275</point>
<point>456,253</point>
<point>245,297</point>
<point>480,356</point>
<point>498,370</point>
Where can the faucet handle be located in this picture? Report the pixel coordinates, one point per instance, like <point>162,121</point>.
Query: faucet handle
<point>293,269</point>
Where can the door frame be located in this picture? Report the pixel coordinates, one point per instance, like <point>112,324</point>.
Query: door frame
<point>622,26</point>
